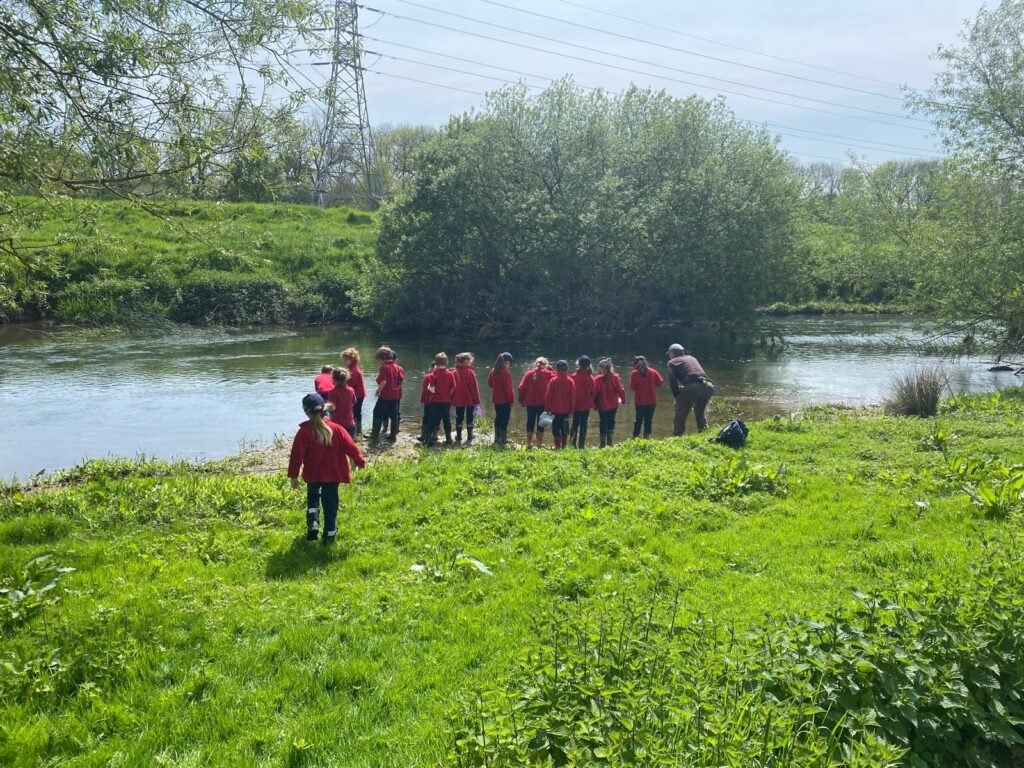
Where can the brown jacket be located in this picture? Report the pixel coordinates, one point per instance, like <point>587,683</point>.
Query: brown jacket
<point>684,370</point>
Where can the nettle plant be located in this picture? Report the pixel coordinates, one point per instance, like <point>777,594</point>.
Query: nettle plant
<point>930,676</point>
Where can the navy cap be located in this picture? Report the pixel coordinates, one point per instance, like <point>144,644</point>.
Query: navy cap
<point>562,365</point>
<point>311,402</point>
<point>583,361</point>
<point>507,356</point>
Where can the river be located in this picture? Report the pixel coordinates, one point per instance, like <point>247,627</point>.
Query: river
<point>200,393</point>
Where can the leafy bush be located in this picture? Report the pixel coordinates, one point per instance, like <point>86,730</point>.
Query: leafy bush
<point>916,393</point>
<point>25,595</point>
<point>107,302</point>
<point>996,487</point>
<point>735,478</point>
<point>924,677</point>
<point>233,299</point>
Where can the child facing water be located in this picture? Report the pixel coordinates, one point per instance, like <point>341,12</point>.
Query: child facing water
<point>467,396</point>
<point>560,401</point>
<point>502,396</point>
<point>644,381</point>
<point>533,388</point>
<point>610,395</point>
<point>322,449</point>
<point>341,402</point>
<point>350,359</point>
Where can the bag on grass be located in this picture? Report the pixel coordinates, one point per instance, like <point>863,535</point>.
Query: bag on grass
<point>734,434</point>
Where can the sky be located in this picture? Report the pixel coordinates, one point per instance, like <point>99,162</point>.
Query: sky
<point>859,53</point>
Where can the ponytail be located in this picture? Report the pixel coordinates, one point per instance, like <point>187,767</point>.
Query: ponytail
<point>641,364</point>
<point>323,432</point>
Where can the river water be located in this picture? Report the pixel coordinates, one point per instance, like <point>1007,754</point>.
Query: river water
<point>198,393</point>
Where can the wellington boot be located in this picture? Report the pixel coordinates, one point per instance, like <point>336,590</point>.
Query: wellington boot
<point>469,435</point>
<point>529,440</point>
<point>458,435</point>
<point>604,440</point>
<point>375,431</point>
<point>609,438</point>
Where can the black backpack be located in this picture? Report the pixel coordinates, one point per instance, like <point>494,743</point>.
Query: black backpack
<point>734,434</point>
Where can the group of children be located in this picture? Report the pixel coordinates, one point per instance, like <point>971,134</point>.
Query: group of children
<point>551,396</point>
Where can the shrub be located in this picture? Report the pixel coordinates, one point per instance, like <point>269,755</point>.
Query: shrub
<point>929,676</point>
<point>232,299</point>
<point>107,302</point>
<point>916,393</point>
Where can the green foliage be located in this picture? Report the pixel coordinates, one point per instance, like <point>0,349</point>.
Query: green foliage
<point>923,676</point>
<point>107,302</point>
<point>29,592</point>
<point>992,485</point>
<point>231,299</point>
<point>641,205</point>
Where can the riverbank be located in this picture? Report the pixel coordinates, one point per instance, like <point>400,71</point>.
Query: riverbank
<point>786,308</point>
<point>199,626</point>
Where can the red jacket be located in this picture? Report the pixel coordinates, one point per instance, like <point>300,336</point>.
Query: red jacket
<point>533,387</point>
<point>561,394</point>
<point>610,392</point>
<point>501,387</point>
<point>355,380</point>
<point>323,463</point>
<point>390,378</point>
<point>645,388</point>
<point>323,383</point>
<point>424,392</point>
<point>467,391</point>
<point>586,390</point>
<point>344,399</point>
<point>443,382</point>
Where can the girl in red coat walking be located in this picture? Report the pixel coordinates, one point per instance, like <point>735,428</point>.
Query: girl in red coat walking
<point>644,381</point>
<point>341,402</point>
<point>560,400</point>
<point>586,389</point>
<point>467,396</point>
<point>502,396</point>
<point>610,395</point>
<point>350,359</point>
<point>322,450</point>
<point>533,388</point>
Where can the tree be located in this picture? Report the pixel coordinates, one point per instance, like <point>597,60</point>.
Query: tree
<point>118,98</point>
<point>578,209</point>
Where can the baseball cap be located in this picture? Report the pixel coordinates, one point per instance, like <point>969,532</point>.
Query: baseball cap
<point>583,360</point>
<point>507,356</point>
<point>562,365</point>
<point>311,402</point>
<point>676,348</point>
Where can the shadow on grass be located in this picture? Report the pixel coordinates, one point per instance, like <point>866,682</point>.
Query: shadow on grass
<point>302,557</point>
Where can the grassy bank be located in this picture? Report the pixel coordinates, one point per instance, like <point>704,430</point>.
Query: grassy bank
<point>783,308</point>
<point>533,606</point>
<point>197,262</point>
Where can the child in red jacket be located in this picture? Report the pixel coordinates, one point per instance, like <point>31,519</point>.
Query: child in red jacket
<point>467,396</point>
<point>389,394</point>
<point>425,402</point>
<point>323,383</point>
<point>586,390</point>
<point>560,401</point>
<point>644,381</point>
<point>502,396</point>
<point>350,359</point>
<point>440,384</point>
<point>533,387</point>
<point>341,401</point>
<point>322,449</point>
<point>610,395</point>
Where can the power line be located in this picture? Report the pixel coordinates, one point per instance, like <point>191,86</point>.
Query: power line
<point>656,64</point>
<point>674,31</point>
<point>689,52</point>
<point>551,79</point>
<point>642,72</point>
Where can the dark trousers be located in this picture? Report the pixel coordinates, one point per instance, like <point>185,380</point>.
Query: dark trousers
<point>325,494</point>
<point>694,395</point>
<point>644,417</point>
<point>607,420</point>
<point>386,410</point>
<point>533,413</point>
<point>357,411</point>
<point>502,414</point>
<point>560,426</point>
<point>440,413</point>
<point>464,414</point>
<point>578,430</point>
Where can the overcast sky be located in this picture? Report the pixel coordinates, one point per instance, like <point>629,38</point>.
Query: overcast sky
<point>870,45</point>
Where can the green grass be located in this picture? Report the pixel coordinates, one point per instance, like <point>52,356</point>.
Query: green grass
<point>120,261</point>
<point>199,628</point>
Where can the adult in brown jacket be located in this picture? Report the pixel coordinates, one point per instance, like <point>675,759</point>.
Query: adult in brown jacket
<point>691,388</point>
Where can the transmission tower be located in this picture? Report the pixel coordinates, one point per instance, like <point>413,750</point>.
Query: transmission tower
<point>346,141</point>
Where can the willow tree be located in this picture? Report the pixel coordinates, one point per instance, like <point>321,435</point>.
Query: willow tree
<point>577,209</point>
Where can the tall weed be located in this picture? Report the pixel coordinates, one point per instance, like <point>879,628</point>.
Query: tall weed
<point>916,393</point>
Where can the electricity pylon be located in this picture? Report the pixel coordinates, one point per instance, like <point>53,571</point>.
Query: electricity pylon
<point>346,141</point>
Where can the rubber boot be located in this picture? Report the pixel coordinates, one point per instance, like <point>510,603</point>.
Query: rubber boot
<point>469,435</point>
<point>647,435</point>
<point>609,439</point>
<point>529,440</point>
<point>604,440</point>
<point>503,438</point>
<point>394,431</point>
<point>375,429</point>
<point>458,435</point>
